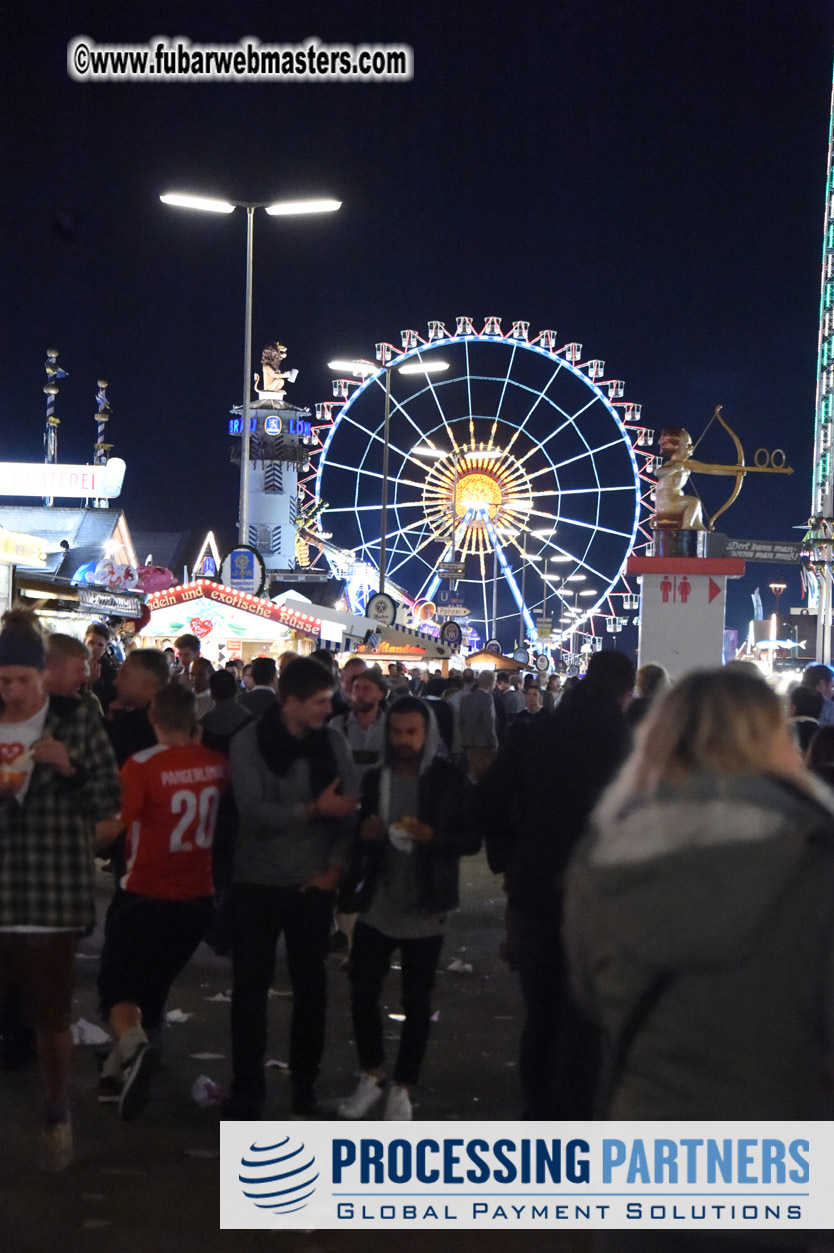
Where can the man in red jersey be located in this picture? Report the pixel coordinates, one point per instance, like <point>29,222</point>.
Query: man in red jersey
<point>165,901</point>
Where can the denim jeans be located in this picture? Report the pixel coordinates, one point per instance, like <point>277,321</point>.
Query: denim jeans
<point>370,961</point>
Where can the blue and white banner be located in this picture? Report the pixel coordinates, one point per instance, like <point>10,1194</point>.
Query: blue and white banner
<point>499,1176</point>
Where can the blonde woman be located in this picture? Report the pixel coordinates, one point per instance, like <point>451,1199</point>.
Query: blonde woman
<point>700,914</point>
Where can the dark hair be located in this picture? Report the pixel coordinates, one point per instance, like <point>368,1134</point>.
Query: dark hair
<point>223,685</point>
<point>821,749</point>
<point>152,660</point>
<point>327,659</point>
<point>187,641</point>
<point>611,670</point>
<point>173,707</point>
<point>806,702</point>
<point>816,673</point>
<point>98,628</point>
<point>435,687</point>
<point>303,678</point>
<point>263,671</point>
<point>410,705</point>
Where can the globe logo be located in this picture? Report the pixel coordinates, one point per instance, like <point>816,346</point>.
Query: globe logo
<point>278,1177</point>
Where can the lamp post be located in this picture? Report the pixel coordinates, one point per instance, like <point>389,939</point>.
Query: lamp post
<point>282,208</point>
<point>363,369</point>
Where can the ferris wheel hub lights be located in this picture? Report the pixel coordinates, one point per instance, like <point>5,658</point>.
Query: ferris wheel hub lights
<point>206,203</point>
<point>287,208</point>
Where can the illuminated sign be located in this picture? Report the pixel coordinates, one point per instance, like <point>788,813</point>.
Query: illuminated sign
<point>110,602</point>
<point>273,425</point>
<point>205,589</point>
<point>25,550</point>
<point>19,478</point>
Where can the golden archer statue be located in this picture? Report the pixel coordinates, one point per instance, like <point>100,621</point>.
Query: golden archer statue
<point>674,510</point>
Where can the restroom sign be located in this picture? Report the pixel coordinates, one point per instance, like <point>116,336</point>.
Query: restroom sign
<point>682,603</point>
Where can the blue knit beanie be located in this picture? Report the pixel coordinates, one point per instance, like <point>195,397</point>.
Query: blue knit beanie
<point>21,643</point>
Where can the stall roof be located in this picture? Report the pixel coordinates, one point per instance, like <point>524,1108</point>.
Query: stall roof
<point>85,531</point>
<point>496,659</point>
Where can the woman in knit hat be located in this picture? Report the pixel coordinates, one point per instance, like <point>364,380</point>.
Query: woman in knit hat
<point>58,778</point>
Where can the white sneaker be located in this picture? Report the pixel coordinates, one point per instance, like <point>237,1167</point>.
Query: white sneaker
<point>397,1105</point>
<point>368,1092</point>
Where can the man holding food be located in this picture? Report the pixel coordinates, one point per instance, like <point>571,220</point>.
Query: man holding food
<point>413,829</point>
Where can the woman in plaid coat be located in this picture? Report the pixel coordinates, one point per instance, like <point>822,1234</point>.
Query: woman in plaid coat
<point>58,777</point>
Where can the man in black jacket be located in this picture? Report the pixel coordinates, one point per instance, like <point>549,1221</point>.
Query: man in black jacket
<point>404,880</point>
<point>532,806</point>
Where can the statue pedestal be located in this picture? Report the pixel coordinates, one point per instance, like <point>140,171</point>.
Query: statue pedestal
<point>682,603</point>
<point>674,542</point>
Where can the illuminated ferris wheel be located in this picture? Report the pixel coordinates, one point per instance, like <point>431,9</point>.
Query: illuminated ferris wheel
<point>515,483</point>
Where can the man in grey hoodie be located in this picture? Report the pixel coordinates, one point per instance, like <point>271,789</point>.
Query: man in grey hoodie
<point>293,781</point>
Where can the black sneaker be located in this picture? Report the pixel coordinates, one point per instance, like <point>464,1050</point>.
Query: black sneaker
<point>304,1103</point>
<point>138,1072</point>
<point>237,1109</point>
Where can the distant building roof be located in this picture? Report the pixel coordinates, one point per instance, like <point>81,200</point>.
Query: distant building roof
<point>323,592</point>
<point>175,550</point>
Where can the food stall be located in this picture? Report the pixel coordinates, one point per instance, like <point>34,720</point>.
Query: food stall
<point>227,622</point>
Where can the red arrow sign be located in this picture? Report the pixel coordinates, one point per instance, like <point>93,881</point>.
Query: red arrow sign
<point>714,590</point>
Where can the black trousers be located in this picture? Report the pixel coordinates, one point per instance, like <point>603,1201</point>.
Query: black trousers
<point>370,961</point>
<point>260,913</point>
<point>560,1053</point>
<point>147,942</point>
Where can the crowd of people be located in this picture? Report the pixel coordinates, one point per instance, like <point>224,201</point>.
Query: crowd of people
<point>667,852</point>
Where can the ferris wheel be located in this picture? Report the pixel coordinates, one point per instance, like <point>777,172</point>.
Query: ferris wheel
<point>514,481</point>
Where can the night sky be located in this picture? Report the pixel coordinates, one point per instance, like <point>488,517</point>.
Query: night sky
<point>646,178</point>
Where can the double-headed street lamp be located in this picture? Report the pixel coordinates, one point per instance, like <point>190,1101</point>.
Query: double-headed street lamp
<point>281,208</point>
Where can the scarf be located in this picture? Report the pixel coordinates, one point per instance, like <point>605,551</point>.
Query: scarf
<point>279,749</point>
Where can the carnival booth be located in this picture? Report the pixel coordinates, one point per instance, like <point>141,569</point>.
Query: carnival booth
<point>15,550</point>
<point>227,622</point>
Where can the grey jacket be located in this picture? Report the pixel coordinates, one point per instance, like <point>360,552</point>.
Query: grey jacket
<point>476,722</point>
<point>276,844</point>
<point>729,887</point>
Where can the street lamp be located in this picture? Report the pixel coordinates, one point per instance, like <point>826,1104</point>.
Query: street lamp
<point>363,369</point>
<point>281,208</point>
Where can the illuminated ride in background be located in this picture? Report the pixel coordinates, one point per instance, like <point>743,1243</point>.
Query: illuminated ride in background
<point>517,482</point>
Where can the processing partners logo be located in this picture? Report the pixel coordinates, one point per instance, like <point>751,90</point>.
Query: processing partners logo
<point>280,1177</point>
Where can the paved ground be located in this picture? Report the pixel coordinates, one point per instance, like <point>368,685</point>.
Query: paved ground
<point>153,1185</point>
